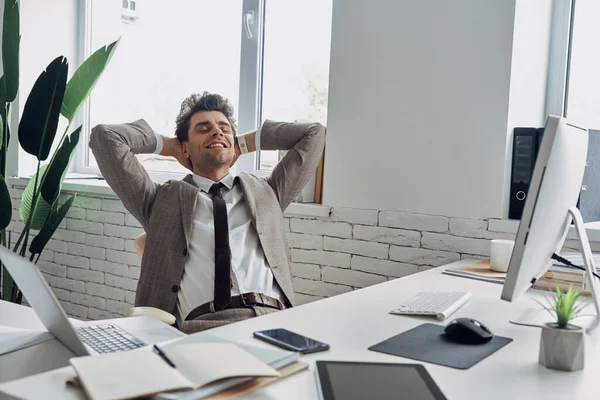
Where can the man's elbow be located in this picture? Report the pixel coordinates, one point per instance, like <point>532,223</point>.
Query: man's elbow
<point>98,133</point>
<point>318,132</point>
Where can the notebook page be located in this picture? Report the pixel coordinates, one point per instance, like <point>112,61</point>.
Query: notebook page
<point>203,363</point>
<point>127,374</point>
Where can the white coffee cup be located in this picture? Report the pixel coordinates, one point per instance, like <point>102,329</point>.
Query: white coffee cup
<point>500,253</point>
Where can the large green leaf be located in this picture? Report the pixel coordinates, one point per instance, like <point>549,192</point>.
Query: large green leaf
<point>54,220</point>
<point>5,205</point>
<point>42,209</point>
<point>2,97</point>
<point>58,167</point>
<point>6,137</point>
<point>1,130</point>
<point>10,48</point>
<point>42,109</point>
<point>84,80</point>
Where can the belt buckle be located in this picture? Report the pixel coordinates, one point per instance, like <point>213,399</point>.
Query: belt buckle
<point>243,300</point>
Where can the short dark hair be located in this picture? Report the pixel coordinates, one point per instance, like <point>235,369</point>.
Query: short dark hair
<point>205,102</point>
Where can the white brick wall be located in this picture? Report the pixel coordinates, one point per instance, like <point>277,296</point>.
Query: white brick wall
<point>93,269</point>
<point>420,222</point>
<point>458,244</point>
<point>350,277</point>
<point>370,249</point>
<point>316,227</point>
<point>399,237</point>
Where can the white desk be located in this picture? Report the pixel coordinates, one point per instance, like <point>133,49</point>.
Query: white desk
<point>352,322</point>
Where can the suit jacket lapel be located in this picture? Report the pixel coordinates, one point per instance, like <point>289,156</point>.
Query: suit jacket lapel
<point>250,202</point>
<point>188,192</point>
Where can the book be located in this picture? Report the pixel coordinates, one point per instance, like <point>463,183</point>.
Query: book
<point>576,278</point>
<point>551,285</point>
<point>480,271</point>
<point>257,383</point>
<point>144,372</point>
<point>240,390</point>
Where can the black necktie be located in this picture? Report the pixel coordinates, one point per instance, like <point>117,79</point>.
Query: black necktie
<point>222,250</point>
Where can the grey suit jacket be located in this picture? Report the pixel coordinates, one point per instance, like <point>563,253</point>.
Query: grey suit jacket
<point>166,211</point>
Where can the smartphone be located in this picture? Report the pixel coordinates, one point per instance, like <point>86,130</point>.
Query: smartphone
<point>291,341</point>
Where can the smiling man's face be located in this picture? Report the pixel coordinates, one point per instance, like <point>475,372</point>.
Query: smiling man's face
<point>211,142</point>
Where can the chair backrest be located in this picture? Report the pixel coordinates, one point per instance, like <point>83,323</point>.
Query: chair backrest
<point>161,315</point>
<point>140,244</point>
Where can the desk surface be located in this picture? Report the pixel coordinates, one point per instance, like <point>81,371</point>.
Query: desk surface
<point>353,321</point>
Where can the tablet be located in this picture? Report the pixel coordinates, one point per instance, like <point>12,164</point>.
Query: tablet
<point>339,380</point>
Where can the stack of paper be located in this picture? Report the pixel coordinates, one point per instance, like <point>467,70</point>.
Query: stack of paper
<point>480,271</point>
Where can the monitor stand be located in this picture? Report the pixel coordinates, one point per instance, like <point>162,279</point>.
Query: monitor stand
<point>538,317</point>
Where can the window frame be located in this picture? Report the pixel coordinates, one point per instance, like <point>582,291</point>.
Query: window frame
<point>250,91</point>
<point>557,88</point>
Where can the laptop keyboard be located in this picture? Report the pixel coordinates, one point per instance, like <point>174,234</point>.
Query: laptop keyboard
<point>108,338</point>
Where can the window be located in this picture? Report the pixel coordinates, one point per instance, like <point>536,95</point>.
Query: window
<point>270,58</point>
<point>583,87</point>
<point>575,67</point>
<point>295,64</point>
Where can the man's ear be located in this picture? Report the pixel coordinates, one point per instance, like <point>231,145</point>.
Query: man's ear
<point>185,149</point>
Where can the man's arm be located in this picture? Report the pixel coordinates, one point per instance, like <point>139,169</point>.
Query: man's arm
<point>304,142</point>
<point>115,147</point>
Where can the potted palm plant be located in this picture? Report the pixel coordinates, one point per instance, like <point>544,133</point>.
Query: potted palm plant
<point>51,98</point>
<point>561,344</point>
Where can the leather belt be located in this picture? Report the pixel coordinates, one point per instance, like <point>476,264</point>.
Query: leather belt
<point>240,301</point>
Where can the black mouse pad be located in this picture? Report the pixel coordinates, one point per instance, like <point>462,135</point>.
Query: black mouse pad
<point>428,343</point>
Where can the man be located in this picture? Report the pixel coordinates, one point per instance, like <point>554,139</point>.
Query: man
<point>210,236</point>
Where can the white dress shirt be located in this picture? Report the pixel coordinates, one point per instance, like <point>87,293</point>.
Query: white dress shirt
<point>250,270</point>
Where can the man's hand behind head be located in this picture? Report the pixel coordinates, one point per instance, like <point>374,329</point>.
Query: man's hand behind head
<point>237,152</point>
<point>173,148</point>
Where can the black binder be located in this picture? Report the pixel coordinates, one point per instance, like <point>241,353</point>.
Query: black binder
<point>526,144</point>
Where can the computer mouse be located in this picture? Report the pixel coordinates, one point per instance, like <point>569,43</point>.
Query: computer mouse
<point>468,331</point>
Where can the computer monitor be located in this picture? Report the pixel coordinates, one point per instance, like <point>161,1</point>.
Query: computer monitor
<point>554,189</point>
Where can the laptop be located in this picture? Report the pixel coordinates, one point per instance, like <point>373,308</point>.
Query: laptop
<point>88,338</point>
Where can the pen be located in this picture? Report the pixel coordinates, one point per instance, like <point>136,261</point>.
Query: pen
<point>164,356</point>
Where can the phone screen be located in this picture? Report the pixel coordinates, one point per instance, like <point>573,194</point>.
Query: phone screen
<point>292,340</point>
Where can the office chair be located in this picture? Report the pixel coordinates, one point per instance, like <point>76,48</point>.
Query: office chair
<point>161,315</point>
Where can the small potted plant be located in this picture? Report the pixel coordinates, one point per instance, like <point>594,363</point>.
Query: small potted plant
<point>561,344</point>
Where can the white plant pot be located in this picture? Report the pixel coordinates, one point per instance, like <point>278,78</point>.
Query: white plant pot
<point>562,348</point>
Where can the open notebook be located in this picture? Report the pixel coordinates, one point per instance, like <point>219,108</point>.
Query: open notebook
<point>144,372</point>
<point>274,356</point>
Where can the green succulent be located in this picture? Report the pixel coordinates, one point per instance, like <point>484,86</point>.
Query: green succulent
<point>564,307</point>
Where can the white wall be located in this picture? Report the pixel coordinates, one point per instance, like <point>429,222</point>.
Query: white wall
<point>48,29</point>
<point>419,105</point>
<point>529,71</point>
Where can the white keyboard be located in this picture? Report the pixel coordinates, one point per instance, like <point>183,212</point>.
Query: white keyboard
<point>440,304</point>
